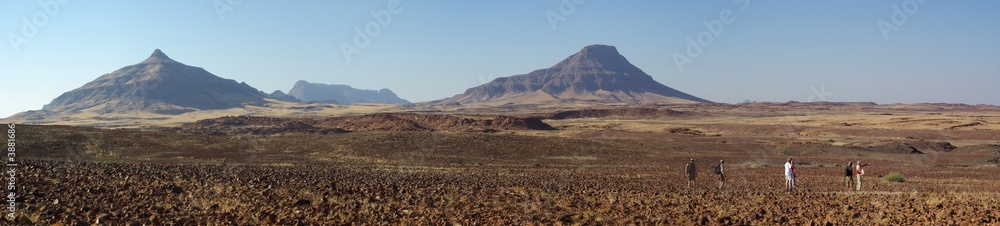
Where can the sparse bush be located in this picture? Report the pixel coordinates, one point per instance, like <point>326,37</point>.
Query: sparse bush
<point>785,149</point>
<point>758,165</point>
<point>831,140</point>
<point>894,177</point>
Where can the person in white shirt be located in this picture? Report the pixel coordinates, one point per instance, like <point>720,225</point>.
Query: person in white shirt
<point>859,170</point>
<point>789,174</point>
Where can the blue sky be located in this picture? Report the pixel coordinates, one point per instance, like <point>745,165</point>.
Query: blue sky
<point>945,51</point>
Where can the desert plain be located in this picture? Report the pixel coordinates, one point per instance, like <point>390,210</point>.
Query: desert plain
<point>569,164</point>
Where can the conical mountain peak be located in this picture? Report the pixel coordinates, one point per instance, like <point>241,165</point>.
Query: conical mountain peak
<point>158,56</point>
<point>160,85</point>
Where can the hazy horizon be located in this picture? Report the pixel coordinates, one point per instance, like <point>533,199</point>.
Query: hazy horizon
<point>942,52</point>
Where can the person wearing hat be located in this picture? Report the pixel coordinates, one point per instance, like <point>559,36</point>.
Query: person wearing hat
<point>691,172</point>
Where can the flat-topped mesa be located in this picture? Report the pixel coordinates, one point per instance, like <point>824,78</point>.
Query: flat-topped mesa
<point>595,56</point>
<point>342,94</point>
<point>597,73</point>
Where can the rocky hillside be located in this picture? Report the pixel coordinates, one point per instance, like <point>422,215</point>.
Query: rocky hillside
<point>158,84</point>
<point>596,73</point>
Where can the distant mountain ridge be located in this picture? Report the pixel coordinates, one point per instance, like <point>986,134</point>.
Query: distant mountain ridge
<point>282,96</point>
<point>342,94</point>
<point>595,73</point>
<point>157,84</point>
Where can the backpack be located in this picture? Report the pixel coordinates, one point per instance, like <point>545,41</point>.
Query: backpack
<point>717,169</point>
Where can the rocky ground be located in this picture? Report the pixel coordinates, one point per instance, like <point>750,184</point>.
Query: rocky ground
<point>84,193</point>
<point>360,123</point>
<point>610,166</point>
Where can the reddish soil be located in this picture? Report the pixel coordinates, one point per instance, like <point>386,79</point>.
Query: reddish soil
<point>361,123</point>
<point>632,112</point>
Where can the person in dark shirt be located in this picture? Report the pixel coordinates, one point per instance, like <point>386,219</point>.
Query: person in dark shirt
<point>722,174</point>
<point>849,176</point>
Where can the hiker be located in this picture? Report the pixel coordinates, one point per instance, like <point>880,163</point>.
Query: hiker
<point>789,174</point>
<point>859,169</point>
<point>849,175</point>
<point>691,172</point>
<point>718,169</point>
